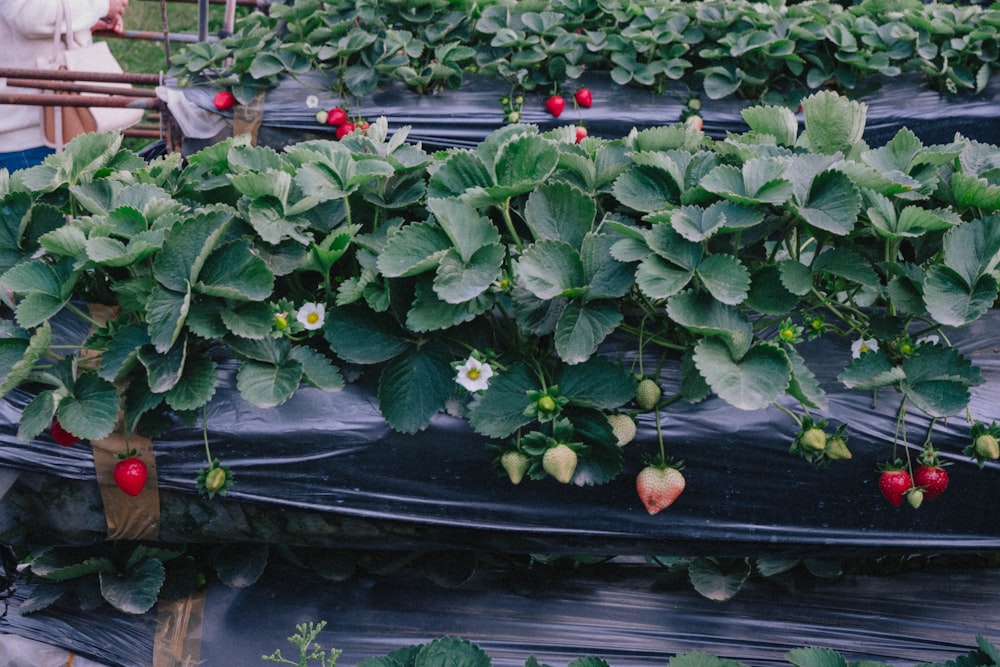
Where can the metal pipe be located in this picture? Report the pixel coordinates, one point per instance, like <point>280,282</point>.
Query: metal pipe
<point>75,87</point>
<point>66,75</point>
<point>156,36</point>
<point>61,100</point>
<point>202,20</point>
<point>259,4</point>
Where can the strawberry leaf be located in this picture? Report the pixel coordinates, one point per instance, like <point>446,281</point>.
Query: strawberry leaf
<point>549,269</point>
<point>718,580</point>
<point>458,281</point>
<point>414,386</point>
<point>451,651</point>
<point>560,212</point>
<point>234,271</point>
<point>938,379</point>
<point>815,657</point>
<point>700,659</point>
<point>241,565</point>
<point>91,412</point>
<point>582,327</point>
<point>413,249</point>
<point>752,382</point>
<point>871,370</point>
<point>196,385</point>
<point>136,590</point>
<point>703,315</point>
<point>268,385</point>
<point>832,123</point>
<point>358,335</point>
<point>832,204</point>
<point>778,122</point>
<point>646,189</point>
<point>317,369</point>
<point>952,301</point>
<point>500,410</point>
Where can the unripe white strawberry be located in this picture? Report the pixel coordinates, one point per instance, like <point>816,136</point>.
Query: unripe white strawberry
<point>560,462</point>
<point>623,427</point>
<point>647,394</point>
<point>516,464</point>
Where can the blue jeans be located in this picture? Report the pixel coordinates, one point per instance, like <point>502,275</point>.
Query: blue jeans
<point>24,159</point>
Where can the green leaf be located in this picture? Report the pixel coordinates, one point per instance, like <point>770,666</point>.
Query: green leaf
<point>596,383</point>
<point>659,279</point>
<point>582,327</point>
<point>549,269</point>
<point>804,386</point>
<point>795,277</point>
<point>725,278</point>
<point>778,122</point>
<point>429,313</point>
<point>500,410</point>
<point>36,416</point>
<point>833,203</point>
<point>522,164</point>
<point>769,566</point>
<point>461,171</point>
<point>235,272</point>
<point>697,224</point>
<point>268,385</point>
<point>937,380</point>
<point>606,277</point>
<point>971,191</point>
<point>413,249</point>
<point>91,412</point>
<point>847,264</point>
<point>451,651</point>
<point>752,382</point>
<point>951,301</point>
<point>64,565</point>
<point>241,565</point>
<point>19,356</point>
<point>973,249</point>
<point>136,590</point>
<point>196,385</point>
<point>871,370</point>
<point>163,368</point>
<point>317,369</point>
<point>253,319</point>
<point>768,294</point>
<point>457,281</point>
<point>166,313</point>
<point>358,335</point>
<point>645,189</point>
<point>700,659</point>
<point>414,386</point>
<point>703,315</point>
<point>833,123</point>
<point>717,581</point>
<point>466,229</point>
<point>815,657</point>
<point>560,212</point>
<point>187,246</point>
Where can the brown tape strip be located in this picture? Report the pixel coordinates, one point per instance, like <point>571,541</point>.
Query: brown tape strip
<point>128,518</point>
<point>247,118</point>
<point>178,632</point>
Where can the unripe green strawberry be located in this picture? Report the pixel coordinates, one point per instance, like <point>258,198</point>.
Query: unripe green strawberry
<point>915,497</point>
<point>516,464</point>
<point>560,462</point>
<point>813,439</point>
<point>623,427</point>
<point>547,404</point>
<point>836,449</point>
<point>987,447</point>
<point>647,394</point>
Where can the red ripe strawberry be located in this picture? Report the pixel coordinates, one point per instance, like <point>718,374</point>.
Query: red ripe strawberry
<point>932,478</point>
<point>584,97</point>
<point>61,435</point>
<point>659,486</point>
<point>345,129</point>
<point>555,105</point>
<point>581,133</point>
<point>224,100</point>
<point>336,117</point>
<point>130,475</point>
<point>894,483</point>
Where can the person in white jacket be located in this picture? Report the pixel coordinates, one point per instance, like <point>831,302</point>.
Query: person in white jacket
<point>27,28</point>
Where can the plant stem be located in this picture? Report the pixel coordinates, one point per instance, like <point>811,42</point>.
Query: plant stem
<point>505,209</point>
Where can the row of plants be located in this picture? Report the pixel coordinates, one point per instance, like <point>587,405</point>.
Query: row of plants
<point>774,52</point>
<point>502,284</point>
<point>458,651</point>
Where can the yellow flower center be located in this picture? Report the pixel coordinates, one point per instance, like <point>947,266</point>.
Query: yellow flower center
<point>281,321</point>
<point>472,374</point>
<point>312,318</point>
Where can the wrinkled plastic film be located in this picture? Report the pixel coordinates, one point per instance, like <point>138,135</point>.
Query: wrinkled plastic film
<point>346,478</point>
<point>618,614</point>
<point>462,118</point>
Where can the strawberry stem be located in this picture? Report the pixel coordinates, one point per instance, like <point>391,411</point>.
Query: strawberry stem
<point>204,433</point>
<point>795,417</point>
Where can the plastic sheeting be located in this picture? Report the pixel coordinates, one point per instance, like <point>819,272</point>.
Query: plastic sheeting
<point>347,479</point>
<point>619,614</point>
<point>464,117</point>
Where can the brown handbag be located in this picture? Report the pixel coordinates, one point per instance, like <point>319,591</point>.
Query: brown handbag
<point>61,124</point>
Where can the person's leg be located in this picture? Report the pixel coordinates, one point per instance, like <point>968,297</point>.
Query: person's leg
<point>24,159</point>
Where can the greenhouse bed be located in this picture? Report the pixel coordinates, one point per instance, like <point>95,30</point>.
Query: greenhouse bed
<point>462,118</point>
<point>325,469</point>
<point>621,615</point>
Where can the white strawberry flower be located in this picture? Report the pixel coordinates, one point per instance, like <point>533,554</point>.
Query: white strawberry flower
<point>312,101</point>
<point>311,316</point>
<point>474,375</point>
<point>862,345</point>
